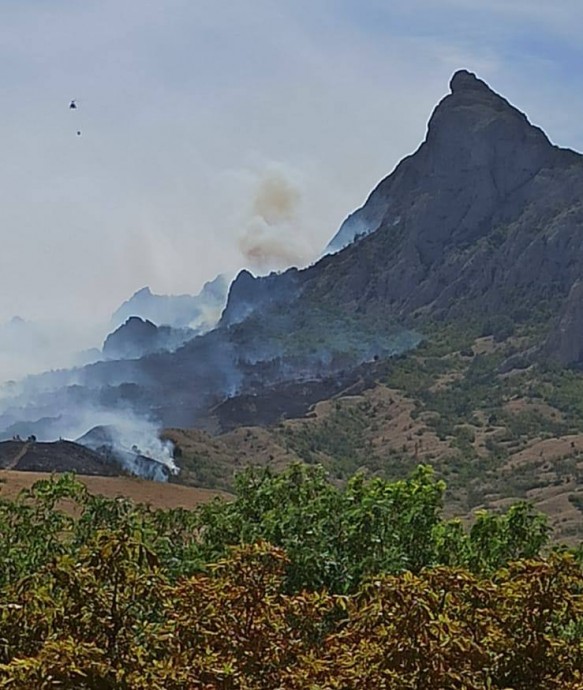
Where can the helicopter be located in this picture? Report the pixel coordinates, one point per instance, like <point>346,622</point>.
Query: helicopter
<point>73,106</point>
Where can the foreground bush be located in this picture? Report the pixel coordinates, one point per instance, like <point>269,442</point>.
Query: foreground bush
<point>110,619</point>
<point>333,536</point>
<point>296,584</point>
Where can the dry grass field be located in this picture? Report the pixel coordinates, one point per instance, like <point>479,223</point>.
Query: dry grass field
<point>155,494</point>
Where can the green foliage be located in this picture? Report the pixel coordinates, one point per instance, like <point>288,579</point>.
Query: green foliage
<point>336,536</point>
<point>333,536</point>
<point>31,529</point>
<point>340,435</point>
<point>500,326</point>
<point>370,587</point>
<point>495,540</point>
<point>108,620</point>
<point>563,389</point>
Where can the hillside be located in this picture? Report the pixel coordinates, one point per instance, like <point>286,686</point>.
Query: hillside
<point>447,329</point>
<point>60,456</point>
<point>494,435</point>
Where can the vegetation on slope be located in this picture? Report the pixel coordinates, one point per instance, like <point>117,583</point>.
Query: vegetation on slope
<point>494,426</point>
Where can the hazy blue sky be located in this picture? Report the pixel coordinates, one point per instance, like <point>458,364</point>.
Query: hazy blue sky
<point>187,107</point>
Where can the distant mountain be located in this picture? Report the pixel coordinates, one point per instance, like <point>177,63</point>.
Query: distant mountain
<point>199,312</point>
<point>139,337</point>
<point>482,222</point>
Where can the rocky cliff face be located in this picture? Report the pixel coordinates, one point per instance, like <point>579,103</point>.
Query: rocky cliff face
<point>248,294</point>
<point>564,345</point>
<point>485,216</point>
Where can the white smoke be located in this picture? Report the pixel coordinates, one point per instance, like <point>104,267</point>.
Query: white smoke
<point>34,406</point>
<point>31,347</point>
<point>129,432</point>
<point>141,436</point>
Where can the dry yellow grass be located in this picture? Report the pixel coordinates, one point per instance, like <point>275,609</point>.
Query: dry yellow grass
<point>156,494</point>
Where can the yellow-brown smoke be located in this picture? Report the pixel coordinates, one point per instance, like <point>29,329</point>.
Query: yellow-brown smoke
<point>270,238</point>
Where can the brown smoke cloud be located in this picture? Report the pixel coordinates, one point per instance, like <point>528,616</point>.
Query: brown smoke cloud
<point>277,199</point>
<point>270,238</point>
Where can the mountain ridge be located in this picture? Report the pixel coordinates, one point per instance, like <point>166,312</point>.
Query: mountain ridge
<point>197,311</point>
<point>480,217</point>
<point>481,221</point>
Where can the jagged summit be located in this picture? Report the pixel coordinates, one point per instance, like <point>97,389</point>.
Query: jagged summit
<point>465,81</point>
<point>200,311</point>
<point>474,136</point>
<point>468,89</point>
<point>476,113</point>
<point>485,216</point>
<point>142,292</point>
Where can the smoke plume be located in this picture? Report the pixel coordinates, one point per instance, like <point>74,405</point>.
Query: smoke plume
<point>271,236</point>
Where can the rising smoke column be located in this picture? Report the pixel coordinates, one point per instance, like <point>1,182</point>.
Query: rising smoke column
<point>271,236</point>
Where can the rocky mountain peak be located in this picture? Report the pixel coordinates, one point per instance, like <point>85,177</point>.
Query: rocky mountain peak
<point>249,293</point>
<point>476,140</point>
<point>463,80</point>
<point>487,212</point>
<point>143,292</point>
<point>475,115</point>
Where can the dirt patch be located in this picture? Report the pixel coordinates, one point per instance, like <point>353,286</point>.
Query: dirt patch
<point>446,380</point>
<point>485,345</point>
<point>519,405</point>
<point>548,450</point>
<point>396,427</point>
<point>156,494</point>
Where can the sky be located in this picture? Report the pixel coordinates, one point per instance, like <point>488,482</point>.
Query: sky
<point>194,113</point>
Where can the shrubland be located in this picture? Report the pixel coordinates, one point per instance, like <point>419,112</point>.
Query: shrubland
<point>296,583</point>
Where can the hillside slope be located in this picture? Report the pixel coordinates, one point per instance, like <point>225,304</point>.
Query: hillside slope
<point>481,227</point>
<point>494,436</point>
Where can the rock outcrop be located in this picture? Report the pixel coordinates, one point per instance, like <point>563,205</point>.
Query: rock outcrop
<point>564,344</point>
<point>249,294</point>
<point>138,337</point>
<point>485,217</point>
